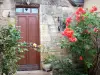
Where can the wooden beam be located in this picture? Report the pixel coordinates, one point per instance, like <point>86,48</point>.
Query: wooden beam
<point>24,5</point>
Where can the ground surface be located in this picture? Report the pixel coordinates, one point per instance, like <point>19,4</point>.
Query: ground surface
<point>33,73</point>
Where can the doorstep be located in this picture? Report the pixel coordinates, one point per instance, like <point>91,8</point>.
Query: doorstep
<point>37,72</point>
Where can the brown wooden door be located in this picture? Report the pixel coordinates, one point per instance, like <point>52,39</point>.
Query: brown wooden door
<point>29,23</point>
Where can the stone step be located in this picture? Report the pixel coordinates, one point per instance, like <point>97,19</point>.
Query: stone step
<point>37,72</point>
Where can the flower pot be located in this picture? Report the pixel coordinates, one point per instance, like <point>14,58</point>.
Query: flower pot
<point>46,67</point>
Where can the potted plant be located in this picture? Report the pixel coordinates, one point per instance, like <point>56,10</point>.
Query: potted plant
<point>46,64</point>
<point>46,56</point>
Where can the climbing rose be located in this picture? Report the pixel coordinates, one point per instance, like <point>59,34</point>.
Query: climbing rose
<point>95,30</point>
<point>68,32</point>
<point>80,10</point>
<point>73,39</point>
<point>83,12</point>
<point>68,20</point>
<point>77,13</point>
<point>67,24</point>
<point>80,58</point>
<point>78,18</point>
<point>94,8</point>
<point>91,10</point>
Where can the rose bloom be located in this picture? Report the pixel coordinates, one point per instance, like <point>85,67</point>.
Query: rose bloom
<point>80,10</point>
<point>73,39</point>
<point>80,58</point>
<point>96,30</point>
<point>94,8</point>
<point>68,20</point>
<point>68,32</point>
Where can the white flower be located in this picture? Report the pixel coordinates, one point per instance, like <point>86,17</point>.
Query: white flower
<point>34,45</point>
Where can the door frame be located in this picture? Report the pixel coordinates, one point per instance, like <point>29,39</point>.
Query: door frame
<point>33,5</point>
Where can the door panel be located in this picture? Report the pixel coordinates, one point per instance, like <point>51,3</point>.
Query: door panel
<point>33,36</point>
<point>22,21</point>
<point>33,29</point>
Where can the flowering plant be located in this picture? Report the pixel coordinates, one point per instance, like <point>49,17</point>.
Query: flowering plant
<point>82,31</point>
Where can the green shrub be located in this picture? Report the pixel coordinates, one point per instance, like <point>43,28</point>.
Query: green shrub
<point>10,48</point>
<point>65,66</point>
<point>81,38</point>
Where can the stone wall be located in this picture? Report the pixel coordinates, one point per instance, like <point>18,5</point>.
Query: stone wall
<point>8,6</point>
<point>50,10</point>
<point>49,23</point>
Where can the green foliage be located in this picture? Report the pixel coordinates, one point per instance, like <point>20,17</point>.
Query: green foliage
<point>66,67</point>
<point>85,34</point>
<point>87,44</point>
<point>10,48</point>
<point>49,59</point>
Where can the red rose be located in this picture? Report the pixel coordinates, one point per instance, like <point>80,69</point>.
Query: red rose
<point>68,20</point>
<point>80,58</point>
<point>91,10</point>
<point>68,32</point>
<point>77,13</point>
<point>94,8</point>
<point>83,12</point>
<point>80,10</point>
<point>73,39</point>
<point>67,29</point>
<point>96,30</point>
<point>67,24</point>
<point>78,18</point>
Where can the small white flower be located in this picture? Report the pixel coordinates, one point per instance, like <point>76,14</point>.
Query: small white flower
<point>34,45</point>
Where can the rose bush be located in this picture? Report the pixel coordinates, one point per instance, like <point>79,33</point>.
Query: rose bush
<point>83,32</point>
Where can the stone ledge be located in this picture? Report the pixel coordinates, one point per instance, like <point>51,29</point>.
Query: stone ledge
<point>37,72</point>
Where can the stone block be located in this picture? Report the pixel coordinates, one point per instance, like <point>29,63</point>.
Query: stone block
<point>45,38</point>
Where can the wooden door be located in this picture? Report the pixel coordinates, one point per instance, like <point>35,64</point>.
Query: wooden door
<point>29,22</point>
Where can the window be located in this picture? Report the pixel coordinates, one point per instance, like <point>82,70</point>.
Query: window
<point>19,10</point>
<point>27,10</point>
<point>34,10</point>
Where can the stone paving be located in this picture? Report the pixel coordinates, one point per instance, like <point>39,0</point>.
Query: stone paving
<point>33,73</point>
